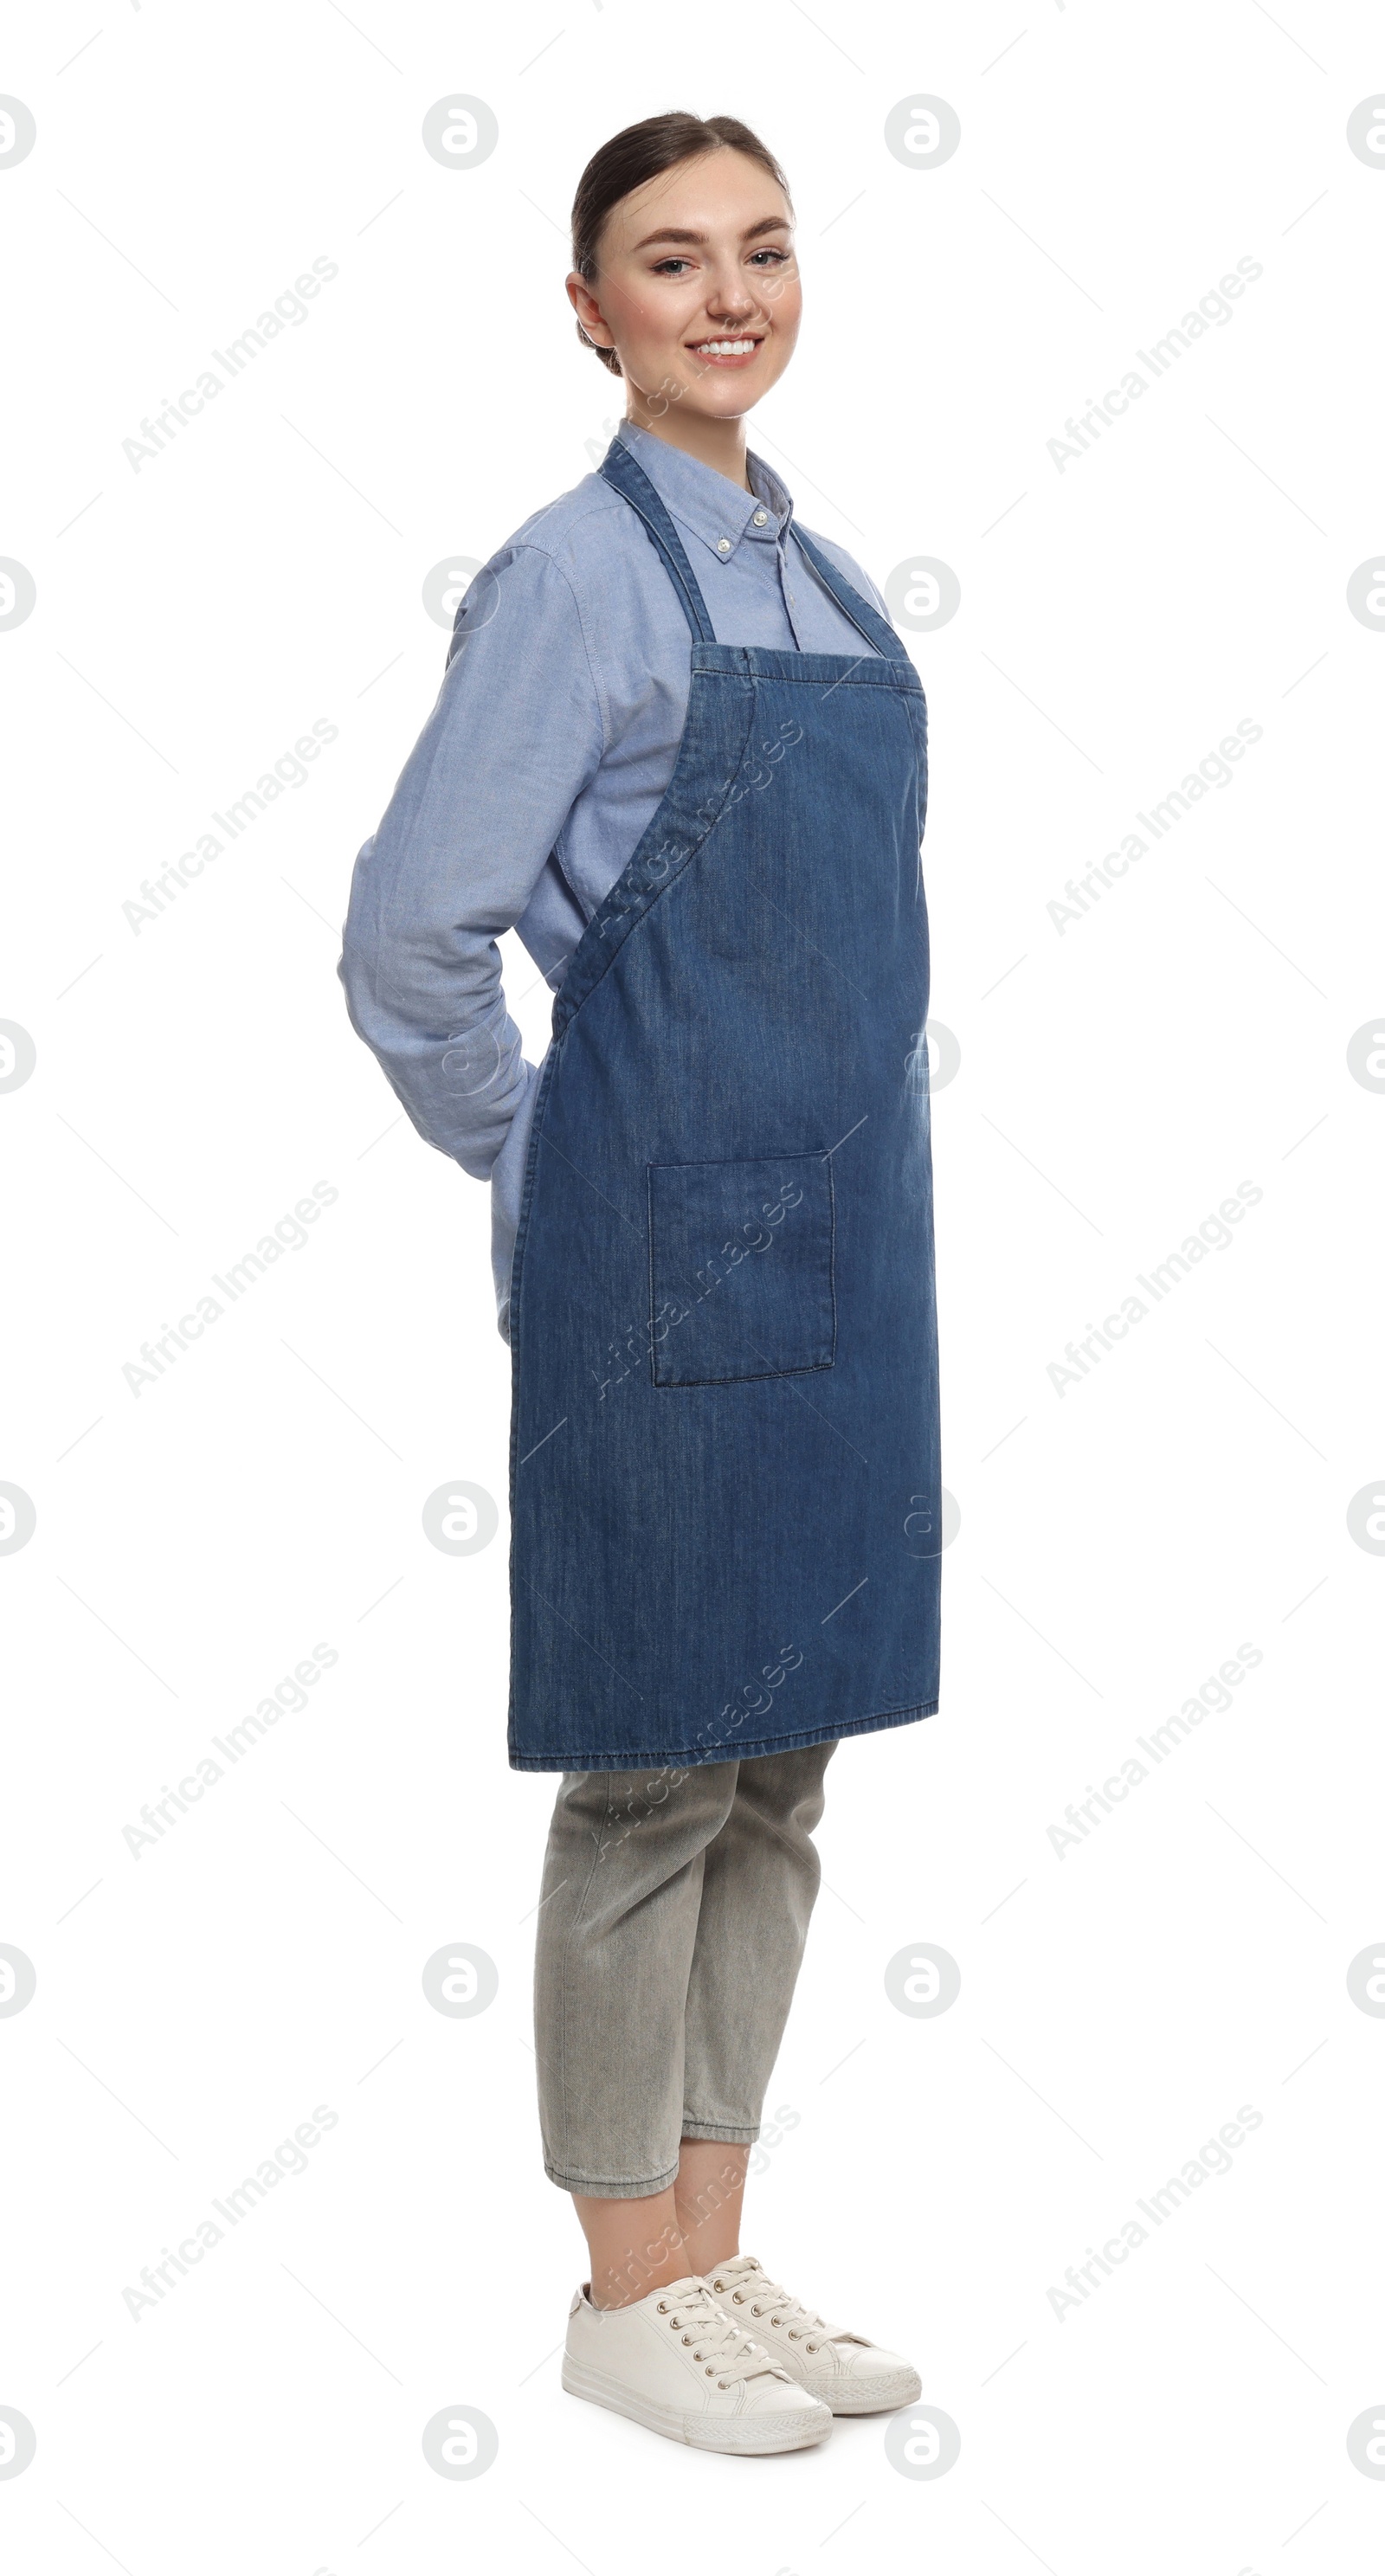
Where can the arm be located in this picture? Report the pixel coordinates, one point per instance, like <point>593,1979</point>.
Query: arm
<point>515,736</point>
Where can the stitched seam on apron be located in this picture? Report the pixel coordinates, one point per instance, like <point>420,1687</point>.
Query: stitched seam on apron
<point>857,677</point>
<point>649,895</point>
<point>835,1732</point>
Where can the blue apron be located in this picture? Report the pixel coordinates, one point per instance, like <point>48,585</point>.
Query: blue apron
<point>724,1463</point>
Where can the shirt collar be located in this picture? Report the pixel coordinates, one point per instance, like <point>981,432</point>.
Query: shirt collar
<point>707,504</point>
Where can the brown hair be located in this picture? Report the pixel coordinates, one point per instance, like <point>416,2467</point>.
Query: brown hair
<point>642,152</point>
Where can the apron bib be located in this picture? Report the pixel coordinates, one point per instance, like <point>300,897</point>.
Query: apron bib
<point>724,1459</point>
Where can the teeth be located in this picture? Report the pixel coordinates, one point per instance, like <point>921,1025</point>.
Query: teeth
<point>724,348</point>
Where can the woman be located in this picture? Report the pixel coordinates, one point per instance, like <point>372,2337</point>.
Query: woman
<point>680,748</point>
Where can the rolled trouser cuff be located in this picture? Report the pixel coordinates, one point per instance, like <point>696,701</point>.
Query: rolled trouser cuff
<point>593,2188</point>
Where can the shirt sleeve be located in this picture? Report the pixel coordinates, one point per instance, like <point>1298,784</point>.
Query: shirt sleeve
<point>516,735</point>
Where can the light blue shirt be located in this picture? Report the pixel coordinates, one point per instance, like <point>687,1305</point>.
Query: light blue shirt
<point>549,749</point>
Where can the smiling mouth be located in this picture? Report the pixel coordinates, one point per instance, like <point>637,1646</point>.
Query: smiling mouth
<point>736,350</point>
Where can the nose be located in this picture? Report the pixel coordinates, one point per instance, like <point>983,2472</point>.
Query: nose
<point>730,297</point>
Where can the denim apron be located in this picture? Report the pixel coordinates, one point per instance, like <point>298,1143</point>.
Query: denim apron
<point>724,1462</point>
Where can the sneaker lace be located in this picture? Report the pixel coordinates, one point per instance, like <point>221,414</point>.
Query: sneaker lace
<point>749,2283</point>
<point>721,2346</point>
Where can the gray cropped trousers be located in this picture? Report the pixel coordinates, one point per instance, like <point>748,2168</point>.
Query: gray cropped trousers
<point>673,1914</point>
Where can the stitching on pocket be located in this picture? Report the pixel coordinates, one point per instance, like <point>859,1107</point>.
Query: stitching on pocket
<point>805,1339</point>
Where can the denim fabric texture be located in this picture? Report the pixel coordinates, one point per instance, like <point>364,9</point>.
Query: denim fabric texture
<point>672,1919</point>
<point>552,741</point>
<point>767,1318</point>
<point>743,1558</point>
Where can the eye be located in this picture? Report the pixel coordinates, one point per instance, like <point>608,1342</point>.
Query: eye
<point>778,257</point>
<point>668,267</point>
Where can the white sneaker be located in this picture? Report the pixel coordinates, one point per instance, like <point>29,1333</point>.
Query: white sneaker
<point>848,2373</point>
<point>675,2362</point>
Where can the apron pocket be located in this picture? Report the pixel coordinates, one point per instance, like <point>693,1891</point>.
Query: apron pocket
<point>740,1269</point>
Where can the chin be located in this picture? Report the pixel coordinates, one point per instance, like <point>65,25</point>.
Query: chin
<point>718,394</point>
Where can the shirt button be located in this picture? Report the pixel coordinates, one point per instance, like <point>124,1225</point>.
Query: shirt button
<point>723,545</point>
<point>761,518</point>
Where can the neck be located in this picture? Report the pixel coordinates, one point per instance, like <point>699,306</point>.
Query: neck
<point>718,443</point>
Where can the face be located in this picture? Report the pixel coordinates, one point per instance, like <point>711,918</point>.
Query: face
<point>697,286</point>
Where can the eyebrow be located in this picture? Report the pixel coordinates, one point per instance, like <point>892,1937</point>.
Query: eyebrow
<point>698,241</point>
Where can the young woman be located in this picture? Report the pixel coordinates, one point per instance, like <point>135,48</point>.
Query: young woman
<point>680,748</point>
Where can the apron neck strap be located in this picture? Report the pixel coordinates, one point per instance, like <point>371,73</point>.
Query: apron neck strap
<point>633,484</point>
<point>866,620</point>
<point>626,476</point>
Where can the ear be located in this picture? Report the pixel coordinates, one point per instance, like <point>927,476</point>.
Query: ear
<point>588,311</point>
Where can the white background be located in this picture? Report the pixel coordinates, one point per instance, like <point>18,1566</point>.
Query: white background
<point>1117,1543</point>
